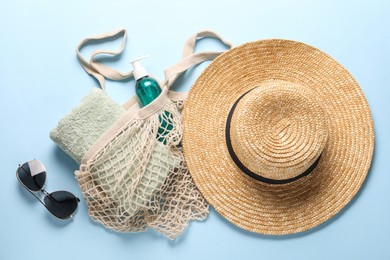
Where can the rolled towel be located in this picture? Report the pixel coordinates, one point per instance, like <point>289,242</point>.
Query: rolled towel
<point>77,131</point>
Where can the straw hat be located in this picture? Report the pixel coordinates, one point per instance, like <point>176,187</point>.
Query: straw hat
<point>278,136</point>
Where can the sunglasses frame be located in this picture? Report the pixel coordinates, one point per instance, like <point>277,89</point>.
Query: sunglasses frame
<point>42,193</point>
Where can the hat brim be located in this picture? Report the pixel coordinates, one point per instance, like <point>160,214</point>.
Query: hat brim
<point>304,203</point>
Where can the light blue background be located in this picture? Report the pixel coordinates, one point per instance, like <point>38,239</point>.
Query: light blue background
<point>41,80</point>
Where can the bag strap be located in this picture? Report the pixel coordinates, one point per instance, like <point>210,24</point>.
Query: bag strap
<point>190,58</point>
<point>98,70</point>
<point>189,46</point>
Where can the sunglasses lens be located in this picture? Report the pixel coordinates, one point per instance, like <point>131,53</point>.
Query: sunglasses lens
<point>61,204</point>
<point>32,174</point>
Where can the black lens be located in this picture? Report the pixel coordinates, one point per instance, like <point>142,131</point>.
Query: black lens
<point>32,174</point>
<point>61,204</point>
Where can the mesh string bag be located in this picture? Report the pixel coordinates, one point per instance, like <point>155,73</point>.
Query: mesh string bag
<point>136,181</point>
<point>134,177</point>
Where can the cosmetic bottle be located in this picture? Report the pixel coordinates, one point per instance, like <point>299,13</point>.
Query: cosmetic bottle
<point>148,89</point>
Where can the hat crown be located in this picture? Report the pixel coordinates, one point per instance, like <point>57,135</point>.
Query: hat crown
<point>279,130</point>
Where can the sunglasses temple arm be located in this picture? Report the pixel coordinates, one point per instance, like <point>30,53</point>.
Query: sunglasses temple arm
<point>46,194</point>
<point>38,197</point>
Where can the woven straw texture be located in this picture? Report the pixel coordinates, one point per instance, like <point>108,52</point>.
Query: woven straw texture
<point>283,122</point>
<point>303,105</point>
<point>137,182</point>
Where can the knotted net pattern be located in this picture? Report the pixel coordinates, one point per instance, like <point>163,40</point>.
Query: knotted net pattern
<point>140,179</point>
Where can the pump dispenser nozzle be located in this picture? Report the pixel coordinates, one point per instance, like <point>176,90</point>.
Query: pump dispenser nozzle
<point>139,70</point>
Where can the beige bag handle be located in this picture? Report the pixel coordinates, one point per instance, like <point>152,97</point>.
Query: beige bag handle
<point>98,70</point>
<point>190,58</point>
<point>101,71</point>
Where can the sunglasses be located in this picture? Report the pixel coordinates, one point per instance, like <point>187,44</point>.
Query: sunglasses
<point>32,175</point>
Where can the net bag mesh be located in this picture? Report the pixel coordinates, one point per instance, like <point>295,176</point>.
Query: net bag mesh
<point>140,180</point>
